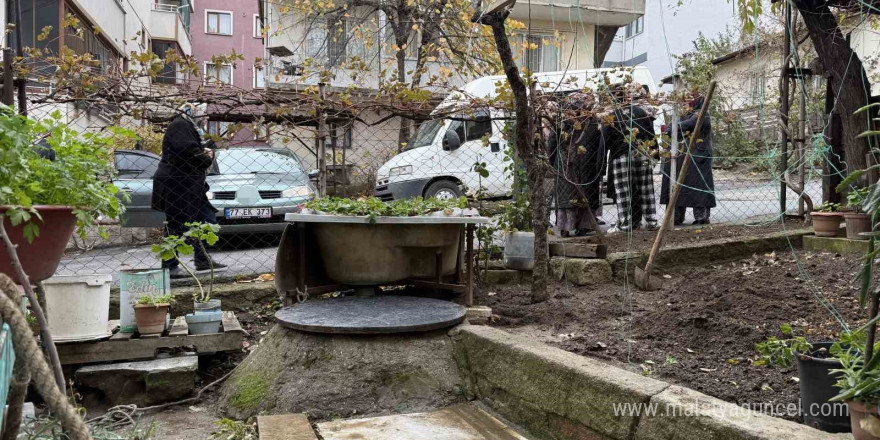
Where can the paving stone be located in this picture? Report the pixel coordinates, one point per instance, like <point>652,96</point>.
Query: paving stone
<point>285,427</point>
<point>479,314</point>
<point>459,422</point>
<point>584,272</point>
<point>504,276</point>
<point>141,383</point>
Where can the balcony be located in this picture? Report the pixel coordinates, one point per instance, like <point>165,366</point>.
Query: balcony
<point>169,21</point>
<point>594,12</point>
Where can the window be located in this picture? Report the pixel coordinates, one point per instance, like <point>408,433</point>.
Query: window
<point>472,130</point>
<point>136,166</point>
<point>218,22</point>
<point>218,128</point>
<point>258,26</point>
<point>540,53</point>
<point>168,74</point>
<point>259,77</point>
<point>757,82</point>
<point>215,74</point>
<point>336,42</point>
<point>636,27</point>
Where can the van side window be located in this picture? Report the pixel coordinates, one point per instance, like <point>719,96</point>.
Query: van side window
<point>472,130</point>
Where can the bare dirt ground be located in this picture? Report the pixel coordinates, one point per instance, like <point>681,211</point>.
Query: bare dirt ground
<point>700,330</point>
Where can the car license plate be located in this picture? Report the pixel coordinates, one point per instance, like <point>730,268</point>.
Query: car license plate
<point>248,212</point>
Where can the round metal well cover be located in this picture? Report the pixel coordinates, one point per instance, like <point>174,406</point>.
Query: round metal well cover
<point>371,315</point>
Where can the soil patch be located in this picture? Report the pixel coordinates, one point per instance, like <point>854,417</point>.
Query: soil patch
<point>642,240</point>
<point>700,330</point>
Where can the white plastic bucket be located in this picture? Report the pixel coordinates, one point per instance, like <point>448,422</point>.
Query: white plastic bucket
<point>519,250</point>
<point>134,283</point>
<point>78,307</point>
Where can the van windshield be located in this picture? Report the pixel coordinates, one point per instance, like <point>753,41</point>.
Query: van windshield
<point>425,134</point>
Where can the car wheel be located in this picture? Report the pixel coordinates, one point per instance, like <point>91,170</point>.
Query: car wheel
<point>443,190</point>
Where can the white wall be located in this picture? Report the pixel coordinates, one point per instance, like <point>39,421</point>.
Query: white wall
<point>671,29</point>
<point>109,16</point>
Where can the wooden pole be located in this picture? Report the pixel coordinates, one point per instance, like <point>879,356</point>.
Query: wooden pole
<point>19,51</point>
<point>8,78</point>
<point>676,190</point>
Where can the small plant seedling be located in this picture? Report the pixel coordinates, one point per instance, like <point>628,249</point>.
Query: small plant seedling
<point>172,246</point>
<point>234,430</point>
<point>155,301</point>
<point>828,207</point>
<point>781,352</point>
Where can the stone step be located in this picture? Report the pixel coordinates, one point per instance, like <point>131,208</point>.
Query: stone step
<point>285,427</point>
<point>459,422</point>
<point>142,383</point>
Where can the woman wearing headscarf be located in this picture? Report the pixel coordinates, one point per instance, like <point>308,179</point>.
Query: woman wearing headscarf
<point>698,191</point>
<point>576,157</point>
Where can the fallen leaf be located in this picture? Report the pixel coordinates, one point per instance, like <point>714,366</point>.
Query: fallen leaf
<point>689,350</point>
<point>196,409</point>
<point>267,277</point>
<point>492,293</point>
<point>708,370</point>
<point>668,277</point>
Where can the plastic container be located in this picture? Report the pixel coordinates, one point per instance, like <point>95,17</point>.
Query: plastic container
<point>519,250</point>
<point>211,306</point>
<point>134,283</point>
<point>204,323</point>
<point>817,388</point>
<point>78,307</point>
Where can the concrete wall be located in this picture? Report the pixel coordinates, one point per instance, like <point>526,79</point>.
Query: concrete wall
<point>109,16</point>
<point>865,41</point>
<point>560,395</point>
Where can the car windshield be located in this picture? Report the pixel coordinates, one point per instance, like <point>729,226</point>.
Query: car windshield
<point>425,134</point>
<point>250,161</point>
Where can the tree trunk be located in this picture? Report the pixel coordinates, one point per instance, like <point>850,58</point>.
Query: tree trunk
<point>402,33</point>
<point>847,73</point>
<point>524,134</point>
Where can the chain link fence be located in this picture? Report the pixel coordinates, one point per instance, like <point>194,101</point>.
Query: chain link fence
<point>257,173</point>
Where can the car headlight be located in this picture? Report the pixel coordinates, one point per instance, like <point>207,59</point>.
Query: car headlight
<point>399,171</point>
<point>296,191</point>
<point>210,195</point>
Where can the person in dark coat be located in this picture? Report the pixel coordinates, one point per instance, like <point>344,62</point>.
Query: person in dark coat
<point>179,186</point>
<point>578,162</point>
<point>698,191</point>
<point>631,167</point>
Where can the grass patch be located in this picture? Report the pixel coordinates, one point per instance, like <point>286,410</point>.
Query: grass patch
<point>250,389</point>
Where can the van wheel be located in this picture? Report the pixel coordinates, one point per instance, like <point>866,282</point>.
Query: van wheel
<point>443,190</point>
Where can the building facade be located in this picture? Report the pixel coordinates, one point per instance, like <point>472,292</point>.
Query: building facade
<point>667,29</point>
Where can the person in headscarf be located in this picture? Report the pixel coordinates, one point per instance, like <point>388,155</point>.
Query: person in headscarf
<point>698,191</point>
<point>628,136</point>
<point>179,186</point>
<point>576,155</point>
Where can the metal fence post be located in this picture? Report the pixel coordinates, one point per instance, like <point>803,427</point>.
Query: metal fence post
<point>8,78</point>
<point>322,144</point>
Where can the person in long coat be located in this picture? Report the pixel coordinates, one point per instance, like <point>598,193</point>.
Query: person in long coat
<point>578,162</point>
<point>698,191</point>
<point>179,186</point>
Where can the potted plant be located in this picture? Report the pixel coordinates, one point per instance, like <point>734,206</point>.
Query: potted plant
<point>150,312</point>
<point>814,363</point>
<point>519,240</point>
<point>826,220</point>
<point>857,221</point>
<point>206,316</point>
<point>43,200</point>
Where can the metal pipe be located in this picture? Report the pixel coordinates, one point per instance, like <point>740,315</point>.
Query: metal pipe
<point>784,110</point>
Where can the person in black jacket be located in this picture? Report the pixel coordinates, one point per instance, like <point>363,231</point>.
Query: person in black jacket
<point>698,191</point>
<point>179,186</point>
<point>628,138</point>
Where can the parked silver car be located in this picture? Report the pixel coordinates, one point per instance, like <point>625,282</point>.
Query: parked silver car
<point>251,187</point>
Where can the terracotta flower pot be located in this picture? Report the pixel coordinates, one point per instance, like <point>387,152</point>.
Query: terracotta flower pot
<point>150,319</point>
<point>865,422</point>
<point>40,258</point>
<point>826,224</point>
<point>856,223</point>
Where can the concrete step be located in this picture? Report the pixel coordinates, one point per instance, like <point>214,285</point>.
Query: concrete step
<point>459,422</point>
<point>285,427</point>
<point>142,383</point>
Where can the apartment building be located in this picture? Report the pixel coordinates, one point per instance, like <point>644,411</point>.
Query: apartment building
<point>110,31</point>
<point>667,28</point>
<point>218,28</point>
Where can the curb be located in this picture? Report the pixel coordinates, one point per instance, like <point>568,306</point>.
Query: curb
<point>561,395</point>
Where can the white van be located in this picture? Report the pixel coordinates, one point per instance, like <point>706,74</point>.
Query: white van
<point>440,157</point>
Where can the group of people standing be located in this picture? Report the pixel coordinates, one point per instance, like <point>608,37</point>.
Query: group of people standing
<point>623,147</point>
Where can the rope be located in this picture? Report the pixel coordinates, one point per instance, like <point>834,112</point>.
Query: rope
<point>44,379</point>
